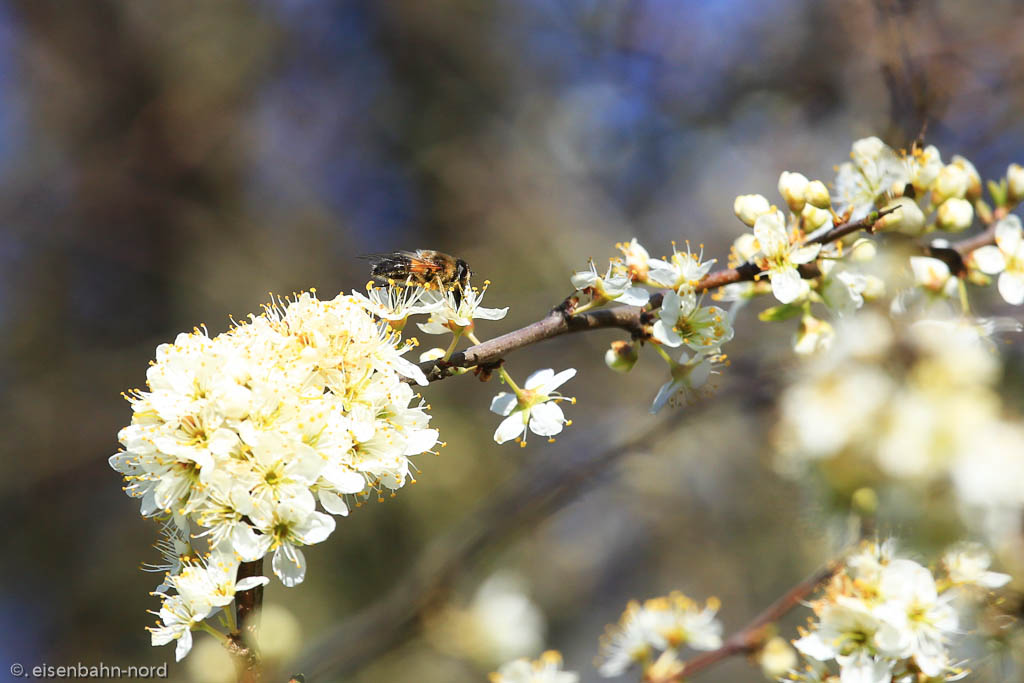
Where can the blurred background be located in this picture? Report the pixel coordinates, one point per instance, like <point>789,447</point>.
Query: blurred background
<point>169,164</point>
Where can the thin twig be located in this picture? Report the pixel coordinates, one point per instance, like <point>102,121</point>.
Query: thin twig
<point>748,639</point>
<point>630,318</point>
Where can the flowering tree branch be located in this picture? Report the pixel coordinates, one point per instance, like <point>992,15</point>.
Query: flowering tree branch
<point>561,319</point>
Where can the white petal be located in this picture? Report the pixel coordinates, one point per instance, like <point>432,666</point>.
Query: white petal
<point>511,427</point>
<point>805,254</point>
<point>249,545</point>
<point>183,646</point>
<point>291,572</point>
<point>666,334</point>
<point>420,441</point>
<point>333,503</point>
<point>317,528</point>
<point>989,259</point>
<point>1008,234</point>
<point>664,394</point>
<point>634,296</point>
<point>411,370</point>
<point>490,313</point>
<point>770,231</point>
<point>344,479</point>
<point>538,378</point>
<point>786,284</point>
<point>504,403</point>
<point>546,419</point>
<point>583,279</point>
<point>1011,287</point>
<point>250,582</point>
<point>558,380</point>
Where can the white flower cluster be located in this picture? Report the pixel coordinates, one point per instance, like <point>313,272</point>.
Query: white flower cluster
<point>546,669</point>
<point>663,624</point>
<point>240,436</point>
<point>916,403</point>
<point>886,619</point>
<point>681,320</point>
<point>918,194</point>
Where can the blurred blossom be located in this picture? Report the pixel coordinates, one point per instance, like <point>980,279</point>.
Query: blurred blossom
<point>546,669</point>
<point>666,623</point>
<point>1006,258</point>
<point>499,624</point>
<point>875,170</point>
<point>932,416</point>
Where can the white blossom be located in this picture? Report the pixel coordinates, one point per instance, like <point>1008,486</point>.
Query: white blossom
<point>456,310</point>
<point>610,287</point>
<point>681,320</point>
<point>1006,258</point>
<point>547,669</point>
<point>781,258</point>
<point>535,406</point>
<point>875,169</point>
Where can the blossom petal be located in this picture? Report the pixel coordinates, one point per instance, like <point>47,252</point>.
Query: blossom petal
<point>546,419</point>
<point>1009,234</point>
<point>989,259</point>
<point>504,403</point>
<point>786,284</point>
<point>511,427</point>
<point>666,334</point>
<point>583,279</point>
<point>1011,287</point>
<point>251,582</point>
<point>333,503</point>
<point>805,254</point>
<point>291,570</point>
<point>634,296</point>
<point>664,394</point>
<point>538,378</point>
<point>183,646</point>
<point>559,379</point>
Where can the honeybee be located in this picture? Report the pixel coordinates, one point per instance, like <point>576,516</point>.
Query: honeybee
<point>422,268</point>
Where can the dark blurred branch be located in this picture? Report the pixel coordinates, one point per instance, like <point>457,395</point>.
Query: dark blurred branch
<point>536,493</point>
<point>752,636</point>
<point>243,641</point>
<point>632,319</point>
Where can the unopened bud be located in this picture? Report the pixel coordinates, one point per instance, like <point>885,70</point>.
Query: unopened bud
<point>793,187</point>
<point>951,182</point>
<point>874,288</point>
<point>863,250</point>
<point>748,207</point>
<point>621,357</point>
<point>955,215</point>
<point>973,179</point>
<point>815,218</point>
<point>776,658</point>
<point>907,217</point>
<point>817,195</point>
<point>928,163</point>
<point>1015,182</point>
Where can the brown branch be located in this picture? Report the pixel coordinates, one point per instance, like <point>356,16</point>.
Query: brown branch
<point>243,641</point>
<point>751,637</point>
<point>630,318</point>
